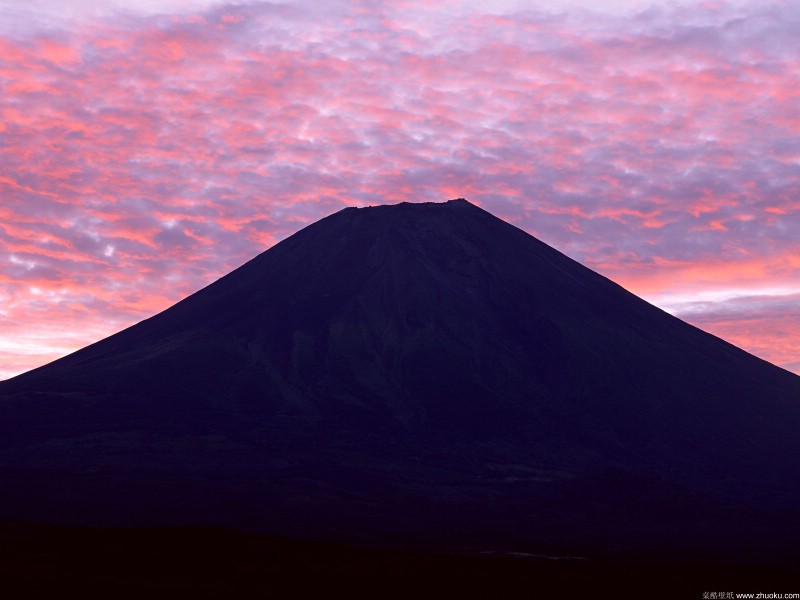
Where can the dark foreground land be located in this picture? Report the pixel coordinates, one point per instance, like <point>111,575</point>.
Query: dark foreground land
<point>71,562</point>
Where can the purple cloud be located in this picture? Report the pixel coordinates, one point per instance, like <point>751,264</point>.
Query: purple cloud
<point>654,142</point>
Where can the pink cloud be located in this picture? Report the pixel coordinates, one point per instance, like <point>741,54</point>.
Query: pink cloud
<point>658,146</point>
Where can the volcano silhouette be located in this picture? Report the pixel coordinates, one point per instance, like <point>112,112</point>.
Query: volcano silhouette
<point>415,373</point>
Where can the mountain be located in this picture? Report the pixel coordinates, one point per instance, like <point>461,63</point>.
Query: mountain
<point>422,374</point>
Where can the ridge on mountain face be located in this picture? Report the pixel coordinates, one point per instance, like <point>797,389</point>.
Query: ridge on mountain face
<point>422,373</point>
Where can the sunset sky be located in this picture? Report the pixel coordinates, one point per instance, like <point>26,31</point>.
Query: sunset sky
<point>148,147</point>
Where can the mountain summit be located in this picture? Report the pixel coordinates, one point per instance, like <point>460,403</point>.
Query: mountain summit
<point>415,373</point>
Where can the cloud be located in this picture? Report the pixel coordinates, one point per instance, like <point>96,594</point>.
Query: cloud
<point>767,323</point>
<point>654,142</point>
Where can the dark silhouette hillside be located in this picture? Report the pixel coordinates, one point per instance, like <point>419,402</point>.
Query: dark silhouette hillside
<point>421,374</point>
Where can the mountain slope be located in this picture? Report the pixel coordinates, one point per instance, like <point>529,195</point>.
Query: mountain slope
<point>420,371</point>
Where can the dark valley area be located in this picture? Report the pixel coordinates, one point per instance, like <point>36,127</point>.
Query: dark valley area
<point>398,395</point>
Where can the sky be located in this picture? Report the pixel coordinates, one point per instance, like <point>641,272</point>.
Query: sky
<point>149,147</point>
